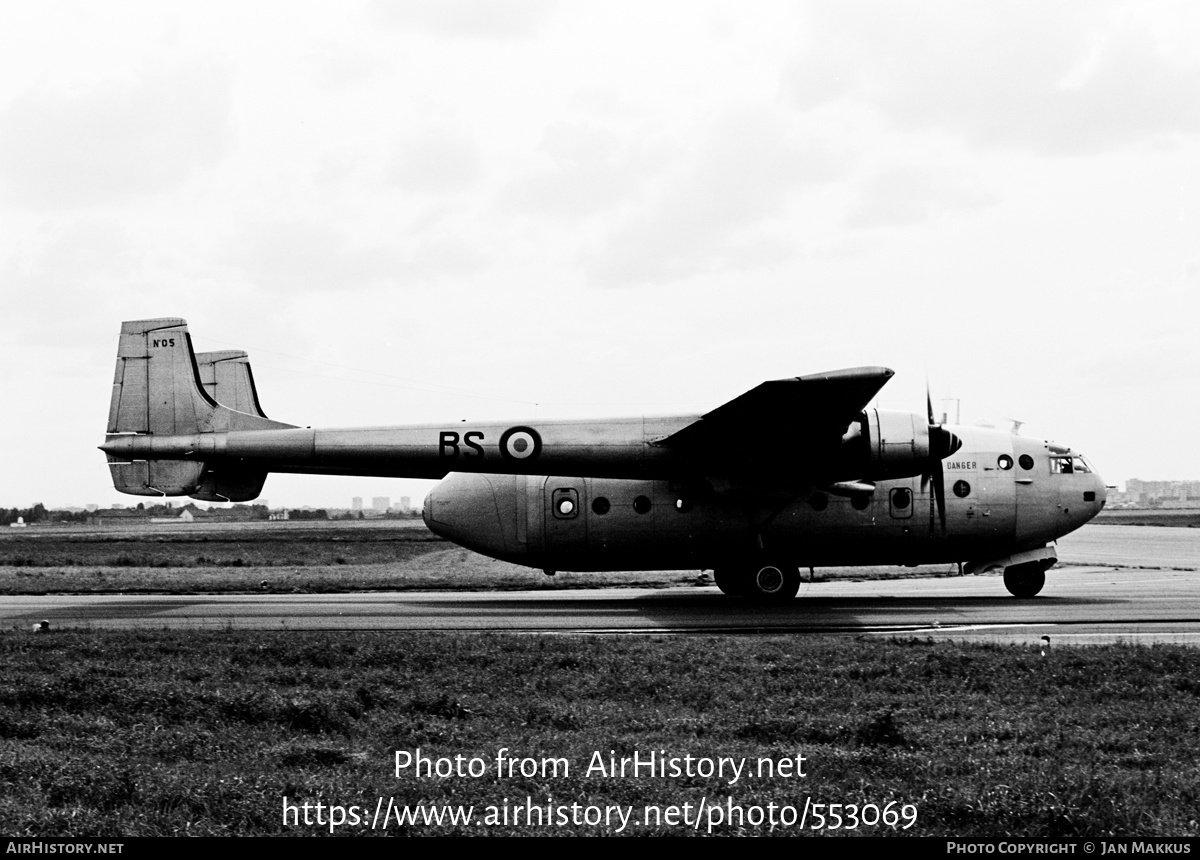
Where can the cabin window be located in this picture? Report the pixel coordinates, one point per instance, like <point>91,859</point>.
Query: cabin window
<point>819,501</point>
<point>683,505</point>
<point>962,489</point>
<point>565,504</point>
<point>860,501</point>
<point>1004,462</point>
<point>1026,462</point>
<point>642,504</point>
<point>600,506</point>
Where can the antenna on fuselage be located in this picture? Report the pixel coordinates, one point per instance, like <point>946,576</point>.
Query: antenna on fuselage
<point>1016,428</point>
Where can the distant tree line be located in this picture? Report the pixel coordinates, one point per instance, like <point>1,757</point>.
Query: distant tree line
<point>39,514</point>
<point>318,514</point>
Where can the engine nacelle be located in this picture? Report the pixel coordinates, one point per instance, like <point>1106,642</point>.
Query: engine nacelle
<point>884,444</point>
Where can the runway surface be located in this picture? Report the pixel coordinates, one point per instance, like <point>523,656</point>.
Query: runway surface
<point>1154,596</point>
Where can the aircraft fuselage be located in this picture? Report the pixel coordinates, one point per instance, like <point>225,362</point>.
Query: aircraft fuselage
<point>1004,494</point>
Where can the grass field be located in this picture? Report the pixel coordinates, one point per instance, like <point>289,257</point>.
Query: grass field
<point>123,733</point>
<point>109,733</point>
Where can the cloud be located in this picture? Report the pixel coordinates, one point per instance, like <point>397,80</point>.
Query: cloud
<point>1054,79</point>
<point>304,256</point>
<point>478,18</point>
<point>437,163</point>
<point>709,214</point>
<point>909,195</point>
<point>589,170</point>
<point>115,142</point>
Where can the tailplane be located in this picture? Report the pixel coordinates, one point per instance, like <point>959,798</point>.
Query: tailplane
<point>158,390</point>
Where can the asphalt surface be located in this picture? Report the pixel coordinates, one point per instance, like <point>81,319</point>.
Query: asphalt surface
<point>1116,583</point>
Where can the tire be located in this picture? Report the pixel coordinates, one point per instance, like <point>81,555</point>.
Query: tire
<point>1024,580</point>
<point>773,582</point>
<point>730,580</point>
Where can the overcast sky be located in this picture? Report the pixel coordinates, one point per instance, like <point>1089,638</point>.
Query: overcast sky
<point>424,211</point>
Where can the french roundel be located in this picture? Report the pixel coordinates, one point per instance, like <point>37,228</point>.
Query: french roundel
<point>520,443</point>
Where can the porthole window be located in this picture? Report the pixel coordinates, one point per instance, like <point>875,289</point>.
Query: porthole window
<point>819,501</point>
<point>642,504</point>
<point>683,505</point>
<point>1026,462</point>
<point>1005,462</point>
<point>600,506</point>
<point>962,489</point>
<point>901,498</point>
<point>860,501</point>
<point>565,503</point>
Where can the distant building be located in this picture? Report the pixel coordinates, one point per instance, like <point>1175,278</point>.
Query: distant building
<point>356,503</point>
<point>381,504</point>
<point>19,524</point>
<point>1160,494</point>
<point>405,503</point>
<point>118,515</point>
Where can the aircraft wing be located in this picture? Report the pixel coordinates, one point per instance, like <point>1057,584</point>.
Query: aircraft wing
<point>810,411</point>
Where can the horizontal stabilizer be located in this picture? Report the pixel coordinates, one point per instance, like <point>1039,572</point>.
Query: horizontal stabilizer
<point>155,477</point>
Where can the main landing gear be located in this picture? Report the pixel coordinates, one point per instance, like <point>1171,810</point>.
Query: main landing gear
<point>762,580</point>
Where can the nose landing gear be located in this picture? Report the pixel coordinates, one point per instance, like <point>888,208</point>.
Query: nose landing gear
<point>1025,580</point>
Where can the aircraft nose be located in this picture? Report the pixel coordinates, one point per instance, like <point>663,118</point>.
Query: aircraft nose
<point>427,510</point>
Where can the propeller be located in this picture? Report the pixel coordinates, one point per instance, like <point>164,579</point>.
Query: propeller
<point>942,443</point>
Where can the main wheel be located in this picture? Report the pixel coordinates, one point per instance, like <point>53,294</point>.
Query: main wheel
<point>731,580</point>
<point>771,581</point>
<point>1025,580</point>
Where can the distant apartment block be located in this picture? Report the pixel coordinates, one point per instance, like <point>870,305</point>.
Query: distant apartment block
<point>381,503</point>
<point>1158,494</point>
<point>356,503</point>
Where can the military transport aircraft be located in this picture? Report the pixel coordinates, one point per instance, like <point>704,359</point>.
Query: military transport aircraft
<point>796,472</point>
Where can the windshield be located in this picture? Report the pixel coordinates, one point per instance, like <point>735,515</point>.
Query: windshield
<point>1069,464</point>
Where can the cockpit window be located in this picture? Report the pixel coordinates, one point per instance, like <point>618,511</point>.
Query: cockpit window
<point>1065,464</point>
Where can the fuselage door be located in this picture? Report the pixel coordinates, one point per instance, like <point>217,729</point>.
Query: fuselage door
<point>900,503</point>
<point>565,517</point>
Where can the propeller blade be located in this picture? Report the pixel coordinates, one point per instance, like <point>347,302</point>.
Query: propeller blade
<point>942,443</point>
<point>939,492</point>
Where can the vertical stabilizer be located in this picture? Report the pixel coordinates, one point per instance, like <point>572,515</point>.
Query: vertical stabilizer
<point>156,388</point>
<point>158,391</point>
<point>227,379</point>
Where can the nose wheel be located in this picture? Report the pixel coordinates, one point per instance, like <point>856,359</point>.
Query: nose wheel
<point>1025,580</point>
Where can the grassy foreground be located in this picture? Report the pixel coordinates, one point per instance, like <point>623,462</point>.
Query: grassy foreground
<point>158,733</point>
